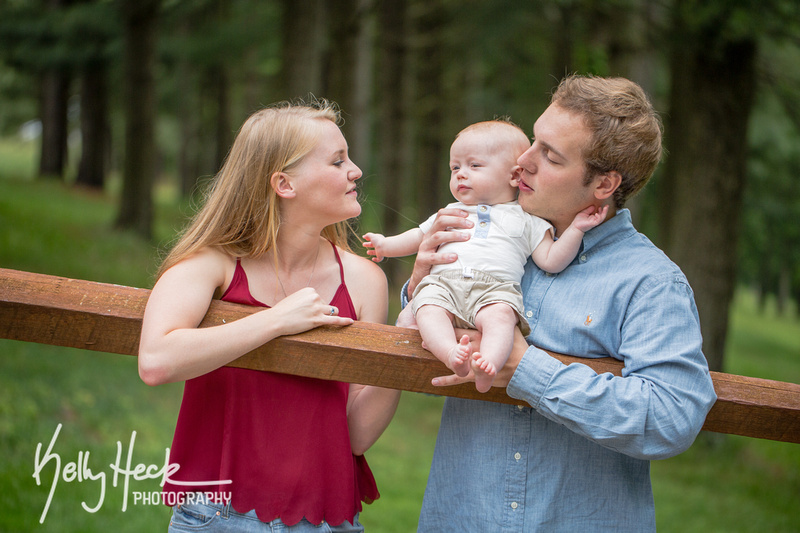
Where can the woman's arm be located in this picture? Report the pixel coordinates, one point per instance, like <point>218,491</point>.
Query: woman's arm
<point>173,348</point>
<point>369,408</point>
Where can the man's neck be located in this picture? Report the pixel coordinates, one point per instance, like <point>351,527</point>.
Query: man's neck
<point>561,228</point>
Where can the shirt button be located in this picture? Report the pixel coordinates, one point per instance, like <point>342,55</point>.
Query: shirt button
<point>549,274</point>
<point>517,456</point>
<point>583,258</point>
<point>520,407</point>
<point>483,208</point>
<point>483,224</point>
<point>514,505</point>
<point>528,314</point>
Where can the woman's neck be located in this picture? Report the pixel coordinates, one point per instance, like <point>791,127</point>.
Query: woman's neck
<point>296,249</point>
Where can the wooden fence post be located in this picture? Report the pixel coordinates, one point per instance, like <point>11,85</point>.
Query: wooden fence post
<point>108,318</point>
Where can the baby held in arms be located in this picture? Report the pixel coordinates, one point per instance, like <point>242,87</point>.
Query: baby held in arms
<point>481,289</point>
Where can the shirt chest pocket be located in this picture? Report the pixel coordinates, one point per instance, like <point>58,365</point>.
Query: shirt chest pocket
<point>511,223</point>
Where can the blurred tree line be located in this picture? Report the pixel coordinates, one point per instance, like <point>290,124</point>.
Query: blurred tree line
<point>155,90</point>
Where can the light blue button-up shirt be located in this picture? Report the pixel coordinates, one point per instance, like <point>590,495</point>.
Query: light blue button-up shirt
<point>575,457</point>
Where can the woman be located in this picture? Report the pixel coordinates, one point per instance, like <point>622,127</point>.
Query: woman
<point>256,448</point>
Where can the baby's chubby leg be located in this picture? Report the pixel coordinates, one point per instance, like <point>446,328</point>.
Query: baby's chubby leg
<point>436,328</point>
<point>496,322</point>
<point>406,319</point>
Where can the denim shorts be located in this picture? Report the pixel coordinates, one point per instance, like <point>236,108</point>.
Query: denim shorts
<point>204,515</point>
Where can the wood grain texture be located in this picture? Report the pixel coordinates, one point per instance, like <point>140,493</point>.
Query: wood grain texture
<point>108,318</point>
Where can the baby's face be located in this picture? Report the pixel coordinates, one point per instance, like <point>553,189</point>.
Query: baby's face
<point>481,170</point>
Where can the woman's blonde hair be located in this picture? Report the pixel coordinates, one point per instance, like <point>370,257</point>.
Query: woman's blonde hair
<point>241,213</point>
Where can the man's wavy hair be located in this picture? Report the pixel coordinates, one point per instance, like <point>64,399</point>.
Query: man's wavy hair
<point>625,129</point>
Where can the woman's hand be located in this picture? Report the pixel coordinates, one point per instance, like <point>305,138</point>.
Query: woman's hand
<point>304,310</point>
<point>439,234</point>
<point>173,348</point>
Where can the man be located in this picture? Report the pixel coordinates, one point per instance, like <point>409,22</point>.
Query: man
<point>574,455</point>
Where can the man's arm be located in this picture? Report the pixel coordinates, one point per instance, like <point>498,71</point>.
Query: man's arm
<point>654,410</point>
<point>658,406</point>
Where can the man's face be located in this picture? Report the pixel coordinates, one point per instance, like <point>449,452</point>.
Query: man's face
<point>551,184</point>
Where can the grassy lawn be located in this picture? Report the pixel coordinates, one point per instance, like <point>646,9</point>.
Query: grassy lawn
<point>731,484</point>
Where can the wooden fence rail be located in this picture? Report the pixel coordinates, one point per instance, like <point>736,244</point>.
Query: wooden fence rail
<point>108,318</point>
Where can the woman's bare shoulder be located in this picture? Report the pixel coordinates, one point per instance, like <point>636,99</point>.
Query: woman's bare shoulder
<point>367,286</point>
<point>209,265</point>
<point>361,268</point>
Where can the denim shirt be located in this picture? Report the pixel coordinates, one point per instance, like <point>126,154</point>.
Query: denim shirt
<point>574,455</point>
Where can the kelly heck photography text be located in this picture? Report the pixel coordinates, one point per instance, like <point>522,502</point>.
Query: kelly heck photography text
<point>81,471</point>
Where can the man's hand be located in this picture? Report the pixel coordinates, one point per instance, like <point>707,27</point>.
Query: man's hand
<point>503,375</point>
<point>428,254</point>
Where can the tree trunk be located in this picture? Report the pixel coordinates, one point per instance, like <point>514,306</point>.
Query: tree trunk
<point>223,139</point>
<point>94,128</point>
<point>784,294</point>
<point>339,53</point>
<point>53,96</point>
<point>189,143</point>
<point>304,39</point>
<point>428,68</point>
<point>392,167</point>
<point>359,113</point>
<point>136,202</point>
<point>564,36</point>
<point>53,109</point>
<point>711,98</point>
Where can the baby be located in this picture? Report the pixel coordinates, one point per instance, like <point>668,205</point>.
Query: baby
<point>481,290</point>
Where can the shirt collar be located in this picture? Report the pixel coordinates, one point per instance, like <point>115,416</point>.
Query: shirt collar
<point>616,228</point>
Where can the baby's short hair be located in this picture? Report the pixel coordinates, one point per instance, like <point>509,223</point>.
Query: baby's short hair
<point>503,132</point>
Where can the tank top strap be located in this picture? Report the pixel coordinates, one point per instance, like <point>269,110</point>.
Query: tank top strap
<point>338,260</point>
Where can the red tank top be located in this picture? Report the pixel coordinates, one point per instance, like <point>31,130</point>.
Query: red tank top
<point>282,440</point>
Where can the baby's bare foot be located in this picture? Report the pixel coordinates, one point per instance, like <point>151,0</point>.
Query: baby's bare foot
<point>485,372</point>
<point>459,357</point>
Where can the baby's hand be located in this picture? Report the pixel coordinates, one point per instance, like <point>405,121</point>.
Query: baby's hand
<point>590,217</point>
<point>374,242</point>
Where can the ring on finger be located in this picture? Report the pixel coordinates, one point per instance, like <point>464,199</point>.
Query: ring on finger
<point>333,311</point>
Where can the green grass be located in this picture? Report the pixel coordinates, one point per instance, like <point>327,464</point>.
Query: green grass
<point>17,158</point>
<point>733,484</point>
<point>738,483</point>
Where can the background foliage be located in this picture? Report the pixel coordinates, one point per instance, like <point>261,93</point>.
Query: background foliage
<point>127,96</point>
<point>728,485</point>
<point>138,101</point>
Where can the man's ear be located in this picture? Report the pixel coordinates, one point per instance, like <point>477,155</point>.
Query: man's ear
<point>606,184</point>
<point>281,183</point>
